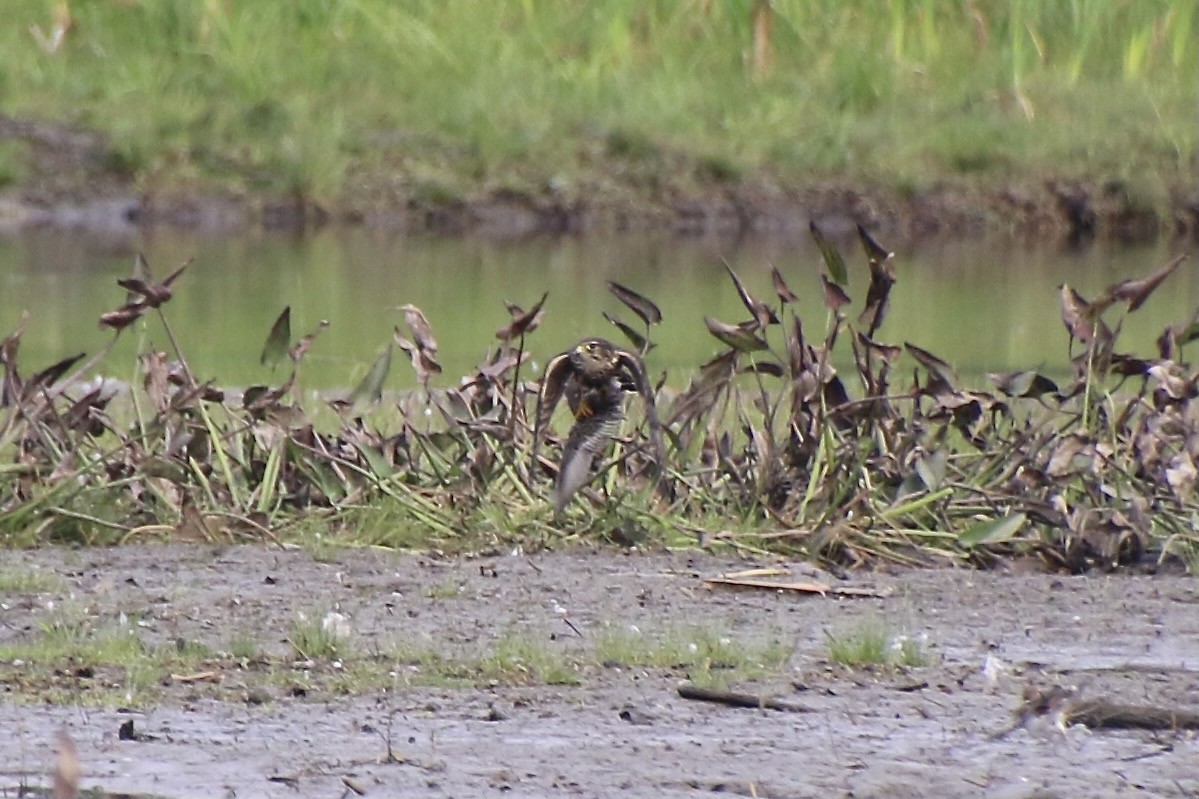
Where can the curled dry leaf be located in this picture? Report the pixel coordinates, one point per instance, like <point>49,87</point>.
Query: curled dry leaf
<point>301,347</point>
<point>781,289</point>
<point>143,291</point>
<point>122,317</point>
<point>1081,318</point>
<point>1023,384</point>
<point>523,322</point>
<point>645,308</point>
<point>742,338</point>
<point>50,375</point>
<point>882,278</point>
<point>422,331</point>
<point>937,368</point>
<point>422,360</point>
<point>639,342</point>
<point>835,297</point>
<point>875,252</point>
<point>759,310</point>
<point>1135,292</point>
<point>888,352</point>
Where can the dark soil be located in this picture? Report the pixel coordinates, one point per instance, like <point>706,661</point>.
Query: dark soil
<point>622,730</point>
<point>72,178</point>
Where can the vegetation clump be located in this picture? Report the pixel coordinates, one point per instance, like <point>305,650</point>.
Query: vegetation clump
<point>774,445</point>
<point>870,643</point>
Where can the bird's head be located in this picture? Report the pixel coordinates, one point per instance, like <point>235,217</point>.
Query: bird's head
<point>596,356</point>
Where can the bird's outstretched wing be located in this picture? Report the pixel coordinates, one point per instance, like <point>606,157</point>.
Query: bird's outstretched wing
<point>588,438</point>
<point>553,383</point>
<point>632,365</point>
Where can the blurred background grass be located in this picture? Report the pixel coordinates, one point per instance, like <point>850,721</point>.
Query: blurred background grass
<point>367,100</point>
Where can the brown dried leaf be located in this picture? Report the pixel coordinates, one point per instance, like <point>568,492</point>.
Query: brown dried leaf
<point>888,352</point>
<point>639,342</point>
<point>50,375</point>
<point>171,278</point>
<point>124,316</point>
<point>1082,318</point>
<point>759,310</point>
<point>258,399</point>
<point>83,413</point>
<point>156,379</point>
<point>638,304</point>
<point>875,252</point>
<point>936,367</point>
<point>1070,454</point>
<point>740,337</point>
<point>301,347</point>
<point>784,292</point>
<point>1135,292</point>
<point>422,360</point>
<point>422,331</point>
<point>1023,384</point>
<point>835,297</point>
<point>141,291</point>
<point>882,278</point>
<point>142,274</point>
<point>763,368</point>
<point>523,322</point>
<point>8,347</point>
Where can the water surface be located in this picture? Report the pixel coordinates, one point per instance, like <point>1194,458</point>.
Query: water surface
<point>981,306</point>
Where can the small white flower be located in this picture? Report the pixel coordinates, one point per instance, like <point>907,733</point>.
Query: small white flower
<point>336,624</point>
<point>993,669</point>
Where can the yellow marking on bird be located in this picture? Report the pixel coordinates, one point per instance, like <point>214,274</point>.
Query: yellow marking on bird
<point>584,411</point>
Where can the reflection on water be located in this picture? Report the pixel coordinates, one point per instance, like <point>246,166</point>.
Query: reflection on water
<point>980,306</point>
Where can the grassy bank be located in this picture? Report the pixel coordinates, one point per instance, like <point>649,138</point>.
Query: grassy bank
<point>372,102</point>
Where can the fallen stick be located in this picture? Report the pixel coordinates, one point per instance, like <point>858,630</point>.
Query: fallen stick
<point>1095,713</point>
<point>203,676</point>
<point>823,589</point>
<point>691,691</point>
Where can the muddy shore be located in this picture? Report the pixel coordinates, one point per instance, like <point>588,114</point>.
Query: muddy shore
<point>71,180</point>
<point>620,730</point>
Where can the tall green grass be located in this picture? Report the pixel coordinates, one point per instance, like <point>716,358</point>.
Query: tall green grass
<point>437,99</point>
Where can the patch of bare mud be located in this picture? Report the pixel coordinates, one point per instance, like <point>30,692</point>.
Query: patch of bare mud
<point>622,730</point>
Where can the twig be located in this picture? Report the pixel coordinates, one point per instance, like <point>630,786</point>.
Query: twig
<point>1096,713</point>
<point>801,587</point>
<point>691,691</point>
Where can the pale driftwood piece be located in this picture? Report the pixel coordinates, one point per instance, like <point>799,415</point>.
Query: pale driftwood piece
<point>823,589</point>
<point>203,676</point>
<point>689,691</point>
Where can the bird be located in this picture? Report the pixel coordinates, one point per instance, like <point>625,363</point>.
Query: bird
<point>594,376</point>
